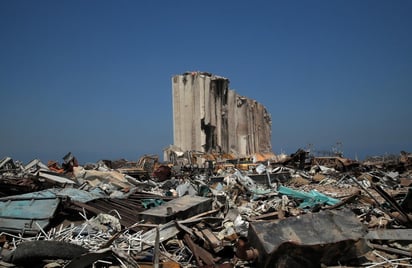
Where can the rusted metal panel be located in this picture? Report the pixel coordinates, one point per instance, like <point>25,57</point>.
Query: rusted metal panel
<point>180,208</point>
<point>201,255</point>
<point>309,239</point>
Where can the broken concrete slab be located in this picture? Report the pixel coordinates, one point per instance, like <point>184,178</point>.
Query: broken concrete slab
<point>307,240</point>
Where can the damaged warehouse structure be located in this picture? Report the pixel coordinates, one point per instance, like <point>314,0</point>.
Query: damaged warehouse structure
<point>289,211</point>
<point>211,118</point>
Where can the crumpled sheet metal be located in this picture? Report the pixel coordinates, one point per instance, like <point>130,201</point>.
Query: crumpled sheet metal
<point>307,240</point>
<point>97,177</point>
<point>7,163</point>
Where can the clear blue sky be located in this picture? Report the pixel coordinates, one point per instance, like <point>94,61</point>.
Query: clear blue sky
<point>94,77</point>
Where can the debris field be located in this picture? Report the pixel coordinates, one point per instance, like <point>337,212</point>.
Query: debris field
<point>262,211</point>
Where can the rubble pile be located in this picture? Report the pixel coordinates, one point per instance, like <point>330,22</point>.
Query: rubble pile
<point>265,211</point>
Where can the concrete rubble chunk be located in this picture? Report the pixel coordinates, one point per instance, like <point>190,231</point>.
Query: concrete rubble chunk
<point>308,240</point>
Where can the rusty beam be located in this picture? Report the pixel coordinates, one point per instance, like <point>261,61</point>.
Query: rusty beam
<point>200,254</point>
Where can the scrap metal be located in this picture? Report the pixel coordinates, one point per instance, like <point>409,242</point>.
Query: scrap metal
<point>229,213</point>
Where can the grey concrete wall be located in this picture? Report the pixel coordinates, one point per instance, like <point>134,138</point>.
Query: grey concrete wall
<point>210,117</point>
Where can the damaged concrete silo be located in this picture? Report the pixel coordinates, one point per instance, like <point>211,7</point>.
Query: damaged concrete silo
<point>210,117</point>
